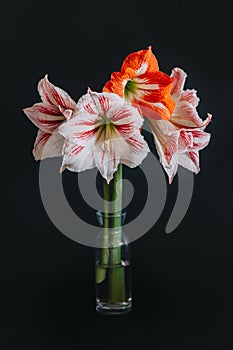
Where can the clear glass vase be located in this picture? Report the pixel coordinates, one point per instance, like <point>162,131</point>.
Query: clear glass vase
<point>112,266</point>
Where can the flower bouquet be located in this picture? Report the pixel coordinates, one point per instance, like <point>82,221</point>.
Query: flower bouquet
<point>104,130</point>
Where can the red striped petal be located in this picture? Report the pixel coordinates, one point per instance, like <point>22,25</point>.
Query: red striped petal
<point>54,95</point>
<point>190,161</point>
<point>185,141</point>
<point>191,97</point>
<point>200,139</point>
<point>166,138</point>
<point>97,103</point>
<point>81,128</point>
<point>66,112</point>
<point>179,79</point>
<point>47,145</point>
<point>186,116</point>
<point>77,158</point>
<point>194,156</point>
<point>46,117</point>
<point>48,109</point>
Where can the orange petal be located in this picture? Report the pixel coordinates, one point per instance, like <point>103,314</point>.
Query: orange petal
<point>153,87</point>
<point>169,103</point>
<point>116,83</point>
<point>153,111</point>
<point>141,61</point>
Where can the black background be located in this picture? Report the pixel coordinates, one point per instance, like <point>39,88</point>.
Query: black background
<point>182,282</point>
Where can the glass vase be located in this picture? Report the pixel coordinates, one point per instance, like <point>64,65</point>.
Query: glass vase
<point>112,266</point>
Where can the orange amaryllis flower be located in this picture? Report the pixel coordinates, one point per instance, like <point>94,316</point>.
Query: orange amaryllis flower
<point>141,83</point>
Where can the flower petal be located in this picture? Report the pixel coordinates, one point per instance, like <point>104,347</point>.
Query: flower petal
<point>200,139</point>
<point>170,167</point>
<point>90,123</point>
<point>185,141</point>
<point>116,84</point>
<point>47,145</point>
<point>152,87</point>
<point>141,61</point>
<point>190,161</point>
<point>179,77</point>
<point>97,103</point>
<point>190,96</point>
<point>135,64</point>
<point>157,110</point>
<point>53,95</point>
<point>152,95</point>
<point>81,128</point>
<point>133,150</point>
<point>66,112</point>
<point>77,158</point>
<point>106,159</point>
<point>166,137</point>
<point>177,92</point>
<point>46,117</point>
<point>143,85</point>
<point>186,116</point>
<point>126,119</point>
<point>130,152</point>
<point>103,132</point>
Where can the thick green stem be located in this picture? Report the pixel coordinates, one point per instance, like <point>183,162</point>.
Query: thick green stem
<point>101,269</point>
<point>110,259</point>
<point>116,271</point>
<point>117,196</point>
<point>107,198</point>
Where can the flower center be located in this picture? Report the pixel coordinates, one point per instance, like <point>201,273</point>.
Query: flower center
<point>105,129</point>
<point>106,123</point>
<point>130,88</point>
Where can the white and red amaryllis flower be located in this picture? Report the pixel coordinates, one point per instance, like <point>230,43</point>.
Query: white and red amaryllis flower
<point>56,107</point>
<point>103,133</point>
<point>141,83</point>
<point>179,140</point>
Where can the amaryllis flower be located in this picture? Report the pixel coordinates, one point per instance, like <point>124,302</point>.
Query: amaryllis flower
<point>179,140</point>
<point>56,107</point>
<point>141,83</point>
<point>103,133</point>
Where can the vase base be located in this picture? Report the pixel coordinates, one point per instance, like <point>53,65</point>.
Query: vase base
<point>105,308</point>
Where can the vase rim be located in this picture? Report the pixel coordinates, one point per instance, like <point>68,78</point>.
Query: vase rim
<point>113,220</point>
<point>101,213</point>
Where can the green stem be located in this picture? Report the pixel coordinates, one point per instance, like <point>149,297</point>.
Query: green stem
<point>101,269</point>
<point>117,196</point>
<point>116,272</point>
<point>107,198</point>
